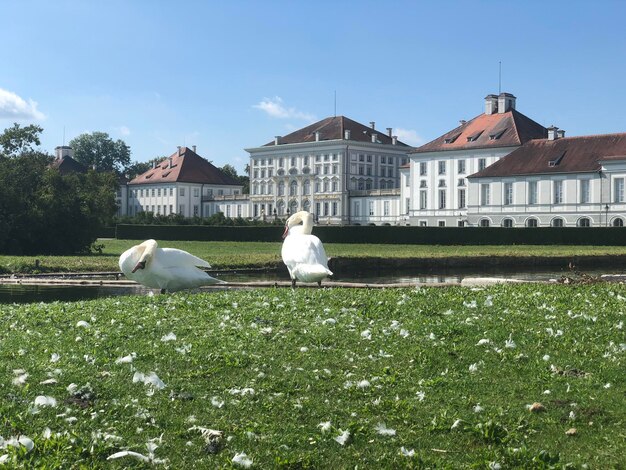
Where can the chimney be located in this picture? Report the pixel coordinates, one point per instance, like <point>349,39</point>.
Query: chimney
<point>506,102</point>
<point>170,162</point>
<point>317,136</point>
<point>552,133</point>
<point>346,134</point>
<point>193,147</point>
<point>179,150</point>
<point>462,121</point>
<point>560,133</point>
<point>394,140</point>
<point>374,138</point>
<point>276,139</point>
<point>372,124</point>
<point>153,165</point>
<point>63,151</point>
<point>491,104</point>
<point>389,131</point>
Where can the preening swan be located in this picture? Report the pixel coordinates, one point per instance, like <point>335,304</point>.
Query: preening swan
<point>303,253</point>
<point>167,269</point>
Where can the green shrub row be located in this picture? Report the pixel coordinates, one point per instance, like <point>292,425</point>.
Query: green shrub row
<point>387,234</point>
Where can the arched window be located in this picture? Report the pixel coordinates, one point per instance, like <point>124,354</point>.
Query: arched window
<point>531,223</point>
<point>306,205</point>
<point>270,188</point>
<point>484,222</point>
<point>325,186</point>
<point>281,188</point>
<point>507,223</point>
<point>262,188</point>
<point>307,187</point>
<point>557,222</point>
<point>281,207</point>
<point>293,206</point>
<point>293,188</point>
<point>618,222</point>
<point>584,222</point>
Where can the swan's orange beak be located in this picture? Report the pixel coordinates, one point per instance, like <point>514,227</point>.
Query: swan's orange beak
<point>140,265</point>
<point>286,232</point>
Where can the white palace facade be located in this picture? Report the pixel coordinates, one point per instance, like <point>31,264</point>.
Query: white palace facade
<point>500,168</point>
<point>342,171</point>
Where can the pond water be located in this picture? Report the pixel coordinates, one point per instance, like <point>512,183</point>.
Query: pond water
<point>12,293</point>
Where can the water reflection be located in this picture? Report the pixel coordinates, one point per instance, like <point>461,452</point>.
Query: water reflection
<point>22,293</point>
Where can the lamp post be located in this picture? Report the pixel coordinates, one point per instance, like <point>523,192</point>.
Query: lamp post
<point>274,214</point>
<point>606,208</point>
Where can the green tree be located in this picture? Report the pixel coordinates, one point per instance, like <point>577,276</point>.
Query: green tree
<point>42,211</point>
<point>98,151</point>
<point>16,140</point>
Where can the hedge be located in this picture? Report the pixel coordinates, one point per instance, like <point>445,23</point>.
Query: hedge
<point>387,234</point>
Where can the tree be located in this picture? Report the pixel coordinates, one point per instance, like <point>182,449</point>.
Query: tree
<point>15,140</point>
<point>43,211</point>
<point>243,180</point>
<point>98,151</point>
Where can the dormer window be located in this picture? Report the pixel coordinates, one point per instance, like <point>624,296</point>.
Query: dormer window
<point>496,134</point>
<point>556,161</point>
<point>451,139</point>
<point>474,137</point>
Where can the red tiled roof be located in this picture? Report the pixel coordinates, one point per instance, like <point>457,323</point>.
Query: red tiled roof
<point>186,167</point>
<point>510,129</point>
<point>564,155</point>
<point>333,128</point>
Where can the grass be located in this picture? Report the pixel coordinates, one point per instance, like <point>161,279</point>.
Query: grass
<point>238,255</point>
<point>415,378</point>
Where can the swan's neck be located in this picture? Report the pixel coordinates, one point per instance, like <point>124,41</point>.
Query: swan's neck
<point>307,226</point>
<point>149,248</point>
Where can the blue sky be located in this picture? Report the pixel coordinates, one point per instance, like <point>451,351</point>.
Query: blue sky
<point>228,75</point>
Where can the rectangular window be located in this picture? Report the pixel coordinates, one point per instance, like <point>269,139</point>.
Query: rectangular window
<point>442,168</point>
<point>334,208</point>
<point>152,192</point>
<point>423,169</point>
<point>195,210</point>
<point>485,194</point>
<point>182,191</point>
<point>619,190</point>
<point>386,208</point>
<point>461,199</point>
<point>423,199</point>
<point>532,192</point>
<point>441,223</point>
<point>171,209</point>
<point>371,207</point>
<point>228,211</point>
<point>584,191</point>
<point>326,208</point>
<point>461,167</point>
<point>508,194</point>
<point>407,205</point>
<point>558,192</point>
<point>317,208</point>
<point>442,199</point>
<point>181,209</point>
<point>357,208</point>
<point>196,192</point>
<point>369,159</point>
<point>482,163</point>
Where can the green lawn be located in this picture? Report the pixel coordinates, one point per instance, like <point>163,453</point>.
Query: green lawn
<point>411,378</point>
<point>226,255</point>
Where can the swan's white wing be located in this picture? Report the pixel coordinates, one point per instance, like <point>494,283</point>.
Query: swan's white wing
<point>305,257</point>
<point>174,257</point>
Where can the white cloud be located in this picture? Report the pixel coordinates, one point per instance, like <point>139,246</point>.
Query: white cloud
<point>124,130</point>
<point>13,106</point>
<point>409,136</point>
<point>274,107</point>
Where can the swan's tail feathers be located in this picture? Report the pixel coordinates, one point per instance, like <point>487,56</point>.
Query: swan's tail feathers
<point>311,272</point>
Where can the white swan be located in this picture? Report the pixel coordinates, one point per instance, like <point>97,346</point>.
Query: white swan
<point>168,269</point>
<point>303,253</point>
